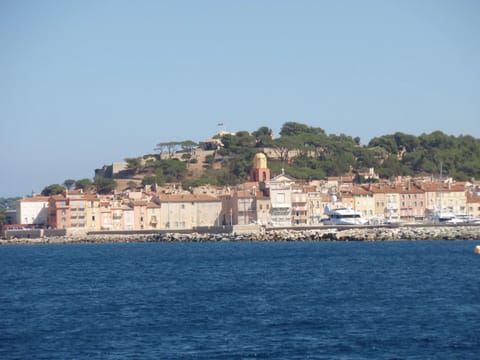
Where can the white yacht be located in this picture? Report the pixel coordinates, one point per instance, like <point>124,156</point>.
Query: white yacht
<point>343,216</point>
<point>448,217</point>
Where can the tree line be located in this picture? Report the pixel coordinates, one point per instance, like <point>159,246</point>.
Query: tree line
<point>303,152</point>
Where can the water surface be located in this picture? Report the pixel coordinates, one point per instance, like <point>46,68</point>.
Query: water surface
<point>288,300</point>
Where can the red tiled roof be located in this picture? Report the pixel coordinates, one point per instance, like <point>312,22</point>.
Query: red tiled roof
<point>188,198</point>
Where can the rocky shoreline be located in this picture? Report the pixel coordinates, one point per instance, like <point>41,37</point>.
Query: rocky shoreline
<point>466,232</point>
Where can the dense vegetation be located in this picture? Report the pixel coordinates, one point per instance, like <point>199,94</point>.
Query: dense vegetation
<point>317,154</point>
<point>303,152</point>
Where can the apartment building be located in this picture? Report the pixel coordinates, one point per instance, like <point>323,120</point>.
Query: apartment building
<point>299,205</point>
<point>74,209</point>
<point>412,202</point>
<point>244,206</point>
<point>445,196</point>
<point>316,202</point>
<point>363,201</point>
<point>473,206</point>
<point>187,211</point>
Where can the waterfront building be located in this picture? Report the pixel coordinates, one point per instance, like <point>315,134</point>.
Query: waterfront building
<point>140,214</point>
<point>188,211</point>
<point>392,204</point>
<point>32,210</point>
<point>473,206</point>
<point>445,196</point>
<point>128,217</point>
<point>412,202</point>
<point>58,212</point>
<point>279,188</point>
<point>299,205</point>
<point>106,216</point>
<point>363,202</point>
<point>379,200</point>
<point>316,202</point>
<point>153,215</point>
<point>263,206</point>
<point>244,205</point>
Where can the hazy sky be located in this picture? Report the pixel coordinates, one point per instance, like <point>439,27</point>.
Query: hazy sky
<point>86,83</point>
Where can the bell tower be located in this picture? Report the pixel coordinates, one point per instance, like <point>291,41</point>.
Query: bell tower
<point>259,172</point>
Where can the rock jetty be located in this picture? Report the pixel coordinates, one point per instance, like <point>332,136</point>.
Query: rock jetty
<point>466,232</point>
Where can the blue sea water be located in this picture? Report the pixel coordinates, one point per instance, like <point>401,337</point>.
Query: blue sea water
<point>290,300</point>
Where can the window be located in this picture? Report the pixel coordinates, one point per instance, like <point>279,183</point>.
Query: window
<point>93,218</point>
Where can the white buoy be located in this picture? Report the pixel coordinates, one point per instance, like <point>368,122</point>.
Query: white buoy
<point>477,250</point>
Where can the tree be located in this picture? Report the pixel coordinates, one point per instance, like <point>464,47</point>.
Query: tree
<point>69,183</point>
<point>150,180</point>
<point>282,146</point>
<point>3,217</point>
<point>104,185</point>
<point>53,189</point>
<point>171,147</point>
<point>293,128</point>
<point>83,184</point>
<point>188,145</point>
<point>263,136</point>
<point>134,164</point>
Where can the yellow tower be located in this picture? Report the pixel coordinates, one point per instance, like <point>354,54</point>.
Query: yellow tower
<point>260,172</point>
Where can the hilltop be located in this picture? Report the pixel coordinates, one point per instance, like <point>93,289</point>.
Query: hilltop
<point>301,151</point>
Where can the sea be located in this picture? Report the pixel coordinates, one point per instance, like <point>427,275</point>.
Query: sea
<point>241,300</point>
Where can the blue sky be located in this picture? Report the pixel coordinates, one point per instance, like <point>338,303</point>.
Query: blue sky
<point>87,83</point>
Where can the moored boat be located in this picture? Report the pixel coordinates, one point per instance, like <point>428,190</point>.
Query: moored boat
<point>343,216</point>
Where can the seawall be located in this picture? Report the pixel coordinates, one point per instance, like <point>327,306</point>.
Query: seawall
<point>370,233</point>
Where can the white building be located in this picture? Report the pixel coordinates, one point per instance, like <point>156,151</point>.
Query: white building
<point>280,191</point>
<point>33,210</point>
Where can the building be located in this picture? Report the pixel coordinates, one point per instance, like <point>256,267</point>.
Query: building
<point>316,202</point>
<point>188,211</point>
<point>412,202</point>
<point>58,212</point>
<point>279,188</point>
<point>74,210</point>
<point>32,210</point>
<point>260,172</point>
<point>441,196</point>
<point>244,204</point>
<point>299,205</point>
<point>473,206</point>
<point>364,202</point>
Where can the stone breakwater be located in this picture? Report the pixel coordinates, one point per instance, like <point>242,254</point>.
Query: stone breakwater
<point>318,234</point>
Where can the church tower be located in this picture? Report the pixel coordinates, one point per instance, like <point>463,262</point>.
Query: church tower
<point>259,171</point>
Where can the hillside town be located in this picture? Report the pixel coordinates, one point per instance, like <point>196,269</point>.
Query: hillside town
<point>279,201</point>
